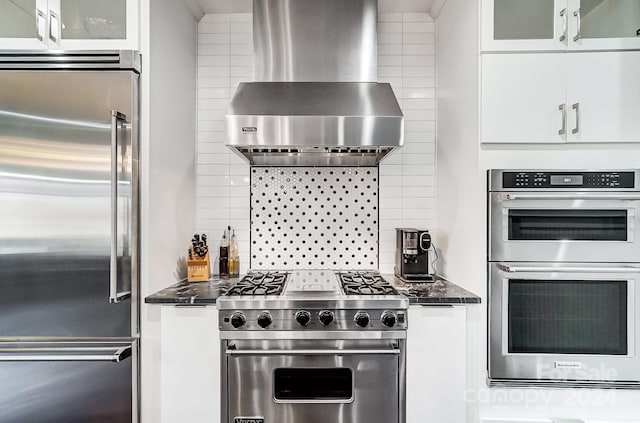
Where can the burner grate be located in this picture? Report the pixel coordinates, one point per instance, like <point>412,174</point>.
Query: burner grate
<point>365,283</point>
<point>259,284</point>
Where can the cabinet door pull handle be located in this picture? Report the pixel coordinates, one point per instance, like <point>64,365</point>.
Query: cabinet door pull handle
<point>54,26</point>
<point>576,107</point>
<point>565,19</point>
<point>41,25</point>
<point>576,13</point>
<point>563,109</point>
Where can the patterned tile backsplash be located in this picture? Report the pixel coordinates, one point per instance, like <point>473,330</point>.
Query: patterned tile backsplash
<point>314,217</point>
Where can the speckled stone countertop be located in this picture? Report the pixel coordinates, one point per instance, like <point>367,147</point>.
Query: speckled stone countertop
<point>441,291</point>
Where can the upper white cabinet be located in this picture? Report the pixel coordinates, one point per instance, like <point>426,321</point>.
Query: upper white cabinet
<point>560,25</point>
<point>69,24</point>
<point>524,98</point>
<point>556,98</point>
<point>603,93</point>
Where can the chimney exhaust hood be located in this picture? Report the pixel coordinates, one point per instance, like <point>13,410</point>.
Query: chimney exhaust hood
<point>315,101</point>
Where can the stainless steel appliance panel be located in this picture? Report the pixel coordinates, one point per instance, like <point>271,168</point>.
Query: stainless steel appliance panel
<point>71,390</point>
<point>564,226</point>
<point>346,381</point>
<point>68,203</point>
<point>577,327</point>
<point>309,40</point>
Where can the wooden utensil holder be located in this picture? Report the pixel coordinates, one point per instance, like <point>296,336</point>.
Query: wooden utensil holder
<point>199,269</point>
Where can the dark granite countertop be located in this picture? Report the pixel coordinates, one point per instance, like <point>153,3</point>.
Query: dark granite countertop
<point>441,291</point>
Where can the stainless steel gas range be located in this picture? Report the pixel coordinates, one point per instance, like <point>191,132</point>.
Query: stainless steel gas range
<point>311,346</point>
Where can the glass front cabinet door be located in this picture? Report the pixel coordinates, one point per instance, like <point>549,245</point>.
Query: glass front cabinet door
<point>69,24</point>
<point>560,25</point>
<point>604,24</point>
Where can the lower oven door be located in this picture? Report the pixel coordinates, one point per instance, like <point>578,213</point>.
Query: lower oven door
<point>564,323</point>
<point>293,381</point>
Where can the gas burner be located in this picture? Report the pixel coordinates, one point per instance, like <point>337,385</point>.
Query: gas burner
<point>270,283</point>
<point>365,283</point>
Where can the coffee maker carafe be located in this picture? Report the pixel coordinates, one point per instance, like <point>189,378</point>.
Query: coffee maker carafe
<point>412,255</point>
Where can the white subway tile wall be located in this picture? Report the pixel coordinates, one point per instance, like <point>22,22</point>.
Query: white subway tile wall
<point>406,60</point>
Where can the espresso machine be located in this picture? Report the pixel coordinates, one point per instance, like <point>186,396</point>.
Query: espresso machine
<point>412,255</point>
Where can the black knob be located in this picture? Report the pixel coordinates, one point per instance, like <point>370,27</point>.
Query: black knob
<point>326,317</point>
<point>264,319</point>
<point>361,319</point>
<point>238,320</point>
<point>303,317</point>
<point>388,319</point>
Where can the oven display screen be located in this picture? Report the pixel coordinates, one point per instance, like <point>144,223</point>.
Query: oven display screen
<point>568,317</point>
<point>291,384</point>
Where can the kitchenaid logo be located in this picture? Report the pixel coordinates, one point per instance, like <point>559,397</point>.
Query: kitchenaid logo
<point>249,130</point>
<point>568,365</point>
<point>249,420</point>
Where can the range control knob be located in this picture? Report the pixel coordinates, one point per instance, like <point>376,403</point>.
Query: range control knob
<point>388,319</point>
<point>326,317</point>
<point>362,319</point>
<point>238,320</point>
<point>264,319</point>
<point>303,317</point>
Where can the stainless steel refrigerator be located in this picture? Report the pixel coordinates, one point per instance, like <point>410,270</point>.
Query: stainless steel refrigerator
<point>69,315</point>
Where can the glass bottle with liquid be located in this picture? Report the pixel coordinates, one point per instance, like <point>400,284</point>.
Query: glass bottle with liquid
<point>234,256</point>
<point>223,261</point>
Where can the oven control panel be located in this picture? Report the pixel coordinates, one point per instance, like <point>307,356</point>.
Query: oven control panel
<point>551,180</point>
<point>314,319</point>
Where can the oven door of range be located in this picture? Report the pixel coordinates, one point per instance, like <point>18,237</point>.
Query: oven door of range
<point>564,323</point>
<point>564,226</point>
<point>292,381</point>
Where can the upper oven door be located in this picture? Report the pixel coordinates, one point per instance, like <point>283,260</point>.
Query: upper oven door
<point>291,381</point>
<point>564,322</point>
<point>564,227</point>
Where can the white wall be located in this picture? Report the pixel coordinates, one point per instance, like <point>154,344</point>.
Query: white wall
<point>224,60</point>
<point>168,85</point>
<point>406,59</point>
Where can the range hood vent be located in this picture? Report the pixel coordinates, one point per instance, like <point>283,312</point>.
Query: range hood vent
<point>315,101</point>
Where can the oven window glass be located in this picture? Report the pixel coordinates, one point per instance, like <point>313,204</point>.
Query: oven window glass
<point>576,225</point>
<point>568,317</point>
<point>313,384</point>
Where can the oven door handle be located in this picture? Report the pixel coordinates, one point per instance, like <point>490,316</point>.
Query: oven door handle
<point>232,352</point>
<point>549,269</point>
<point>622,197</point>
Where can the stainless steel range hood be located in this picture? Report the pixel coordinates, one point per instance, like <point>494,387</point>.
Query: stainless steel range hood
<point>315,100</point>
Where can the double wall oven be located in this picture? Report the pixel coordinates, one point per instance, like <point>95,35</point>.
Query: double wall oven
<point>564,269</point>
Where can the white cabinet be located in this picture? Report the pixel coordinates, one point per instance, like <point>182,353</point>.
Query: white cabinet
<point>554,97</point>
<point>605,89</point>
<point>190,365</point>
<point>557,25</point>
<point>521,98</point>
<point>436,364</point>
<point>69,24</point>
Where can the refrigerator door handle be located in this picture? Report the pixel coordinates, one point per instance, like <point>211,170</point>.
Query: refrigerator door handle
<point>114,295</point>
<point>34,352</point>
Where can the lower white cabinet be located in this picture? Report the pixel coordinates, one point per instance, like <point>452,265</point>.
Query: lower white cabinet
<point>436,364</point>
<point>190,365</point>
